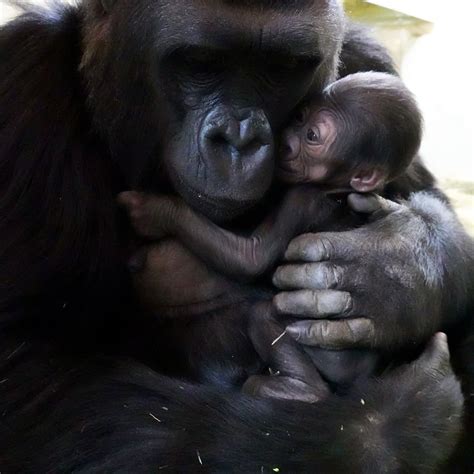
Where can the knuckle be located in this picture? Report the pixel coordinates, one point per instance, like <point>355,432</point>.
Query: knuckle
<point>348,304</point>
<point>333,276</point>
<point>314,300</point>
<point>325,247</point>
<point>308,273</point>
<point>326,331</point>
<point>315,332</point>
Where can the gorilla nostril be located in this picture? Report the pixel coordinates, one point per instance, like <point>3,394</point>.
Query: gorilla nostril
<point>218,139</point>
<point>243,137</point>
<point>252,147</point>
<point>238,135</point>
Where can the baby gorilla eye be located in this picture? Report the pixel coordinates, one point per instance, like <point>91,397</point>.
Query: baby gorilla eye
<point>313,135</point>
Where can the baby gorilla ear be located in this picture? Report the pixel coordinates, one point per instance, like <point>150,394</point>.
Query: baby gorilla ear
<point>368,180</point>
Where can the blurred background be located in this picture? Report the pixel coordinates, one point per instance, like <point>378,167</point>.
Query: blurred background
<point>431,42</point>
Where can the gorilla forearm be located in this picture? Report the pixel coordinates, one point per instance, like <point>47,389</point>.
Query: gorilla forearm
<point>432,238</point>
<point>462,348</point>
<point>446,253</point>
<point>122,417</point>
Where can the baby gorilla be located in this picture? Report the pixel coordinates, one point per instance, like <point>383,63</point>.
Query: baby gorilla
<point>362,132</point>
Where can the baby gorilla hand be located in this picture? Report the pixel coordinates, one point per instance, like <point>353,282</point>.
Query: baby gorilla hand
<point>151,216</point>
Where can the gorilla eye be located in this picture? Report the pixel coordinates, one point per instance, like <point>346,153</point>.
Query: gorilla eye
<point>313,135</point>
<point>202,60</point>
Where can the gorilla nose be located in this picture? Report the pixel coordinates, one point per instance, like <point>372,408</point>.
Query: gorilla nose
<point>236,147</point>
<point>242,134</point>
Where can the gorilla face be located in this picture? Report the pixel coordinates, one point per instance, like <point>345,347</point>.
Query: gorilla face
<point>201,99</point>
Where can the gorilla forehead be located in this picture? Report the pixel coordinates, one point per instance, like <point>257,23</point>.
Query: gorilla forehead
<point>300,27</point>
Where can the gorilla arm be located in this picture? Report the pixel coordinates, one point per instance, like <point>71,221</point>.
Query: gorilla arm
<point>303,208</point>
<point>112,416</point>
<point>410,271</point>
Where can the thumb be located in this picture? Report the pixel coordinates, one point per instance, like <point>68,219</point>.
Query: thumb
<point>371,204</point>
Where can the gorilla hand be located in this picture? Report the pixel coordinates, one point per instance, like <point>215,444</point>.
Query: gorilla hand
<point>378,286</point>
<point>294,376</point>
<point>422,400</point>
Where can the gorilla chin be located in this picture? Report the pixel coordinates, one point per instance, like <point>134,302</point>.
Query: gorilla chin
<point>217,209</point>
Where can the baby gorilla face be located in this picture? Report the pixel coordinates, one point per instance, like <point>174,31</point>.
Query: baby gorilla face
<point>305,155</point>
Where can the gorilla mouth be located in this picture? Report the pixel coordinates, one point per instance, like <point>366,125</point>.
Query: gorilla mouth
<point>219,209</point>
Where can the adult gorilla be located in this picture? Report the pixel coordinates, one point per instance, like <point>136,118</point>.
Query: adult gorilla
<point>108,96</point>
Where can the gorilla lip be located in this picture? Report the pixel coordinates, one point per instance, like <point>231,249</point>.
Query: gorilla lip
<point>220,207</point>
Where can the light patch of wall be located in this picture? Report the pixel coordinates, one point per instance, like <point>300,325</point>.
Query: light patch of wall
<point>6,12</point>
<point>435,62</point>
<point>439,70</point>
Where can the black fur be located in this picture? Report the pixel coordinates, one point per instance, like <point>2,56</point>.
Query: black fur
<point>63,405</point>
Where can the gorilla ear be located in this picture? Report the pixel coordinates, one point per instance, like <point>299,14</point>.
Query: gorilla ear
<point>368,180</point>
<point>107,5</point>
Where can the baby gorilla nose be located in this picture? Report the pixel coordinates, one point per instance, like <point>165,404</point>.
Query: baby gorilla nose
<point>290,146</point>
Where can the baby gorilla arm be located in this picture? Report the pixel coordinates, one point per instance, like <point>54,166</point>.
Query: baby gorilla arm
<point>303,208</point>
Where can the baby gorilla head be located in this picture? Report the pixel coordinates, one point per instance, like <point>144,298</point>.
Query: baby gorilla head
<point>362,132</point>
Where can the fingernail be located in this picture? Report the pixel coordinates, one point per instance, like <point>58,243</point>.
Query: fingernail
<point>278,302</point>
<point>293,332</point>
<point>275,278</point>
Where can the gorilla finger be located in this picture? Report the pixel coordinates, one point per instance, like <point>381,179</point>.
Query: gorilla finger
<point>341,334</point>
<point>371,203</point>
<point>320,247</point>
<point>313,276</point>
<point>313,304</point>
<point>435,358</point>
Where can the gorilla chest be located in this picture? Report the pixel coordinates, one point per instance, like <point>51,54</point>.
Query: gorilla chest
<point>176,282</point>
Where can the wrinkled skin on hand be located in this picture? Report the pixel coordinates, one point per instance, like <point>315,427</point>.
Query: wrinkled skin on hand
<point>377,286</point>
